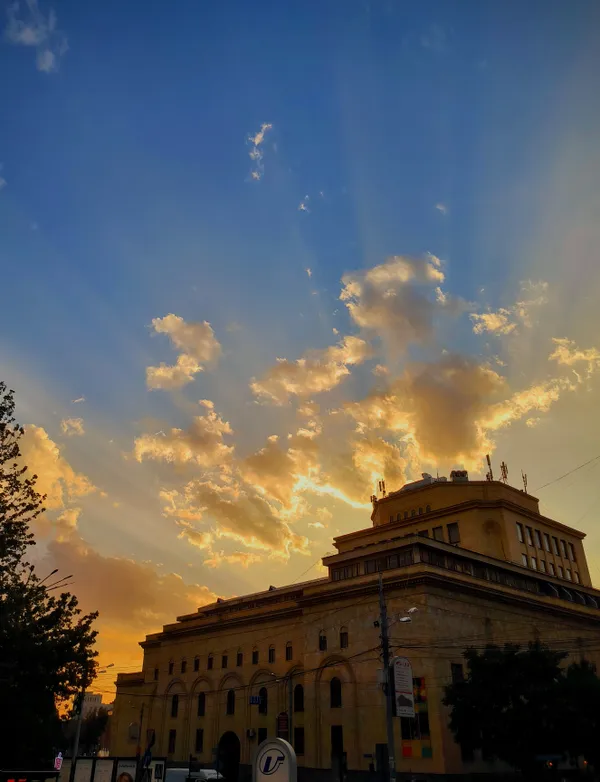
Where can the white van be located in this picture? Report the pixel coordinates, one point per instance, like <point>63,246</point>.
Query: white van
<point>183,775</point>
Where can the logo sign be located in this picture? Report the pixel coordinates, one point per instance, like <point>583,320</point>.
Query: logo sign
<point>255,700</point>
<point>58,760</point>
<point>403,687</point>
<point>275,761</point>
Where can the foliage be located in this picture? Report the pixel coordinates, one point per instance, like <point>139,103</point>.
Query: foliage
<point>46,646</point>
<point>92,728</point>
<point>519,704</point>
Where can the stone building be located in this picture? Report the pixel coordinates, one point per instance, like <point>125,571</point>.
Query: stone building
<point>478,561</point>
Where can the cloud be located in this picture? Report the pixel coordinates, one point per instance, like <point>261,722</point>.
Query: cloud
<point>256,153</point>
<point>72,426</point>
<point>398,299</point>
<point>316,524</point>
<point>324,514</point>
<point>78,400</point>
<point>507,320</point>
<point>197,538</point>
<point>303,206</point>
<point>442,208</point>
<point>315,372</point>
<point>197,344</point>
<point>308,271</point>
<point>202,444</point>
<point>56,478</point>
<point>568,354</point>
<point>28,26</point>
<point>242,558</point>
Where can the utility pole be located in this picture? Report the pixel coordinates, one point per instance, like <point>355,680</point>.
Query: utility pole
<point>290,709</point>
<point>78,700</point>
<point>389,684</point>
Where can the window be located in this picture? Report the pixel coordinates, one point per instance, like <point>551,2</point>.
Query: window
<point>520,533</point>
<point>183,666</point>
<point>289,652</point>
<point>349,571</point>
<point>344,638</point>
<point>392,518</point>
<point>196,663</point>
<point>172,740</point>
<point>543,565</point>
<point>424,533</point>
<point>299,741</point>
<point>551,568</point>
<point>223,661</point>
<point>262,735</point>
<point>239,660</point>
<point>335,693</point>
<point>568,575</point>
<point>420,511</point>
<point>408,728</point>
<point>547,542</point>
<point>529,533</point>
<point>255,657</point>
<point>201,704</point>
<point>174,705</point>
<point>438,533</point>
<point>230,702</point>
<point>524,560</point>
<point>572,553</point>
<point>337,740</point>
<point>576,577</point>
<point>271,654</point>
<point>199,745</point>
<point>563,547</point>
<point>423,724</point>
<point>560,571</point>
<point>263,706</point>
<point>156,674</point>
<point>453,533</point>
<point>322,641</point>
<point>405,514</point>
<point>534,563</point>
<point>299,698</point>
<point>555,546</point>
<point>427,508</point>
<point>209,662</point>
<point>457,672</point>
<point>171,666</point>
<point>538,538</point>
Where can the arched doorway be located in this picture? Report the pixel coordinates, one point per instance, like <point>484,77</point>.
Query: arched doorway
<point>228,756</point>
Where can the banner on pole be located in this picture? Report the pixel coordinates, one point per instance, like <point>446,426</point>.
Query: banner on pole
<point>403,687</point>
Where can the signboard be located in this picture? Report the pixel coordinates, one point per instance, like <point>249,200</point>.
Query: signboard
<point>275,761</point>
<point>126,771</point>
<point>104,769</point>
<point>83,769</point>
<point>255,700</point>
<point>403,687</point>
<point>65,771</point>
<point>283,725</point>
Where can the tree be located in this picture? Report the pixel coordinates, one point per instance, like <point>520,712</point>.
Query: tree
<point>46,646</point>
<point>509,703</point>
<point>92,729</point>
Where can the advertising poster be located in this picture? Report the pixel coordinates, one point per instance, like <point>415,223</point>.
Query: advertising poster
<point>126,770</point>
<point>65,771</point>
<point>104,769</point>
<point>403,687</point>
<point>83,769</point>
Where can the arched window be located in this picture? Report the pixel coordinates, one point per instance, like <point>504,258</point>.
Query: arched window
<point>263,706</point>
<point>171,666</point>
<point>196,663</point>
<point>210,662</point>
<point>298,698</point>
<point>344,638</point>
<point>335,693</point>
<point>413,512</point>
<point>183,666</point>
<point>405,514</point>
<point>201,704</point>
<point>398,517</point>
<point>289,652</point>
<point>271,654</point>
<point>175,705</point>
<point>231,702</point>
<point>420,511</point>
<point>427,508</point>
<point>322,641</point>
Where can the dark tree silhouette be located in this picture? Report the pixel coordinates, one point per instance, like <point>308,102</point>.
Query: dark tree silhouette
<point>46,646</point>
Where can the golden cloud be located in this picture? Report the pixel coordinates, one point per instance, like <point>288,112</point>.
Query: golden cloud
<point>568,354</point>
<point>242,558</point>
<point>72,426</point>
<point>506,320</point>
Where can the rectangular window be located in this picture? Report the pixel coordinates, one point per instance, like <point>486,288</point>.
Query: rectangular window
<point>438,533</point>
<point>171,668</point>
<point>224,661</point>
<point>538,538</point>
<point>457,672</point>
<point>299,741</point>
<point>262,735</point>
<point>529,532</point>
<point>337,740</point>
<point>453,533</point>
<point>551,569</point>
<point>555,546</point>
<point>524,560</point>
<point>568,575</point>
<point>560,571</point>
<point>424,533</point>
<point>271,654</point>
<point>520,533</point>
<point>534,563</point>
<point>209,662</point>
<point>255,657</point>
<point>343,639</point>
<point>543,565</point>
<point>289,652</point>
<point>576,577</point>
<point>408,728</point>
<point>196,663</point>
<point>201,710</point>
<point>199,745</point>
<point>563,547</point>
<point>174,705</point>
<point>547,542</point>
<point>239,660</point>
<point>423,724</point>
<point>183,666</point>
<point>172,740</point>
<point>156,674</point>
<point>572,553</point>
<point>349,571</point>
<point>322,642</point>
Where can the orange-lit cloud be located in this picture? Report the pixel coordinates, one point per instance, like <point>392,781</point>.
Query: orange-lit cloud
<point>507,320</point>
<point>72,426</point>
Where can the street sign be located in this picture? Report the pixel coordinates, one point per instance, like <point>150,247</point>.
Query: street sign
<point>403,687</point>
<point>255,700</point>
<point>275,761</point>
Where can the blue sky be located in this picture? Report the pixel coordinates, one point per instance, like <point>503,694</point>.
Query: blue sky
<point>463,130</point>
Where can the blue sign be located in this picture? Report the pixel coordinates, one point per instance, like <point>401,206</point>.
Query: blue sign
<point>275,761</point>
<point>270,761</point>
<point>255,700</point>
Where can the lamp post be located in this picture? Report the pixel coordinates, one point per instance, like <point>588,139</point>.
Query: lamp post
<point>80,698</point>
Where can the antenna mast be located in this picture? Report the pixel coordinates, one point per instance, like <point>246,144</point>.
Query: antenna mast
<point>504,472</point>
<point>490,475</point>
<point>524,478</point>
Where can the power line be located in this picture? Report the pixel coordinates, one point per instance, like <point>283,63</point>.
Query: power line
<point>555,480</point>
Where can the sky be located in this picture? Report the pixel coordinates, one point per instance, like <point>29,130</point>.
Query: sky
<point>257,256</point>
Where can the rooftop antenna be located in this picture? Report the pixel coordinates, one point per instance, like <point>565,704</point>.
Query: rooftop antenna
<point>504,472</point>
<point>524,478</point>
<point>490,475</point>
<point>382,490</point>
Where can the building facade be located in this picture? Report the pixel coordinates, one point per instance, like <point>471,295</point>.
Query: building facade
<point>91,703</point>
<point>478,561</point>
